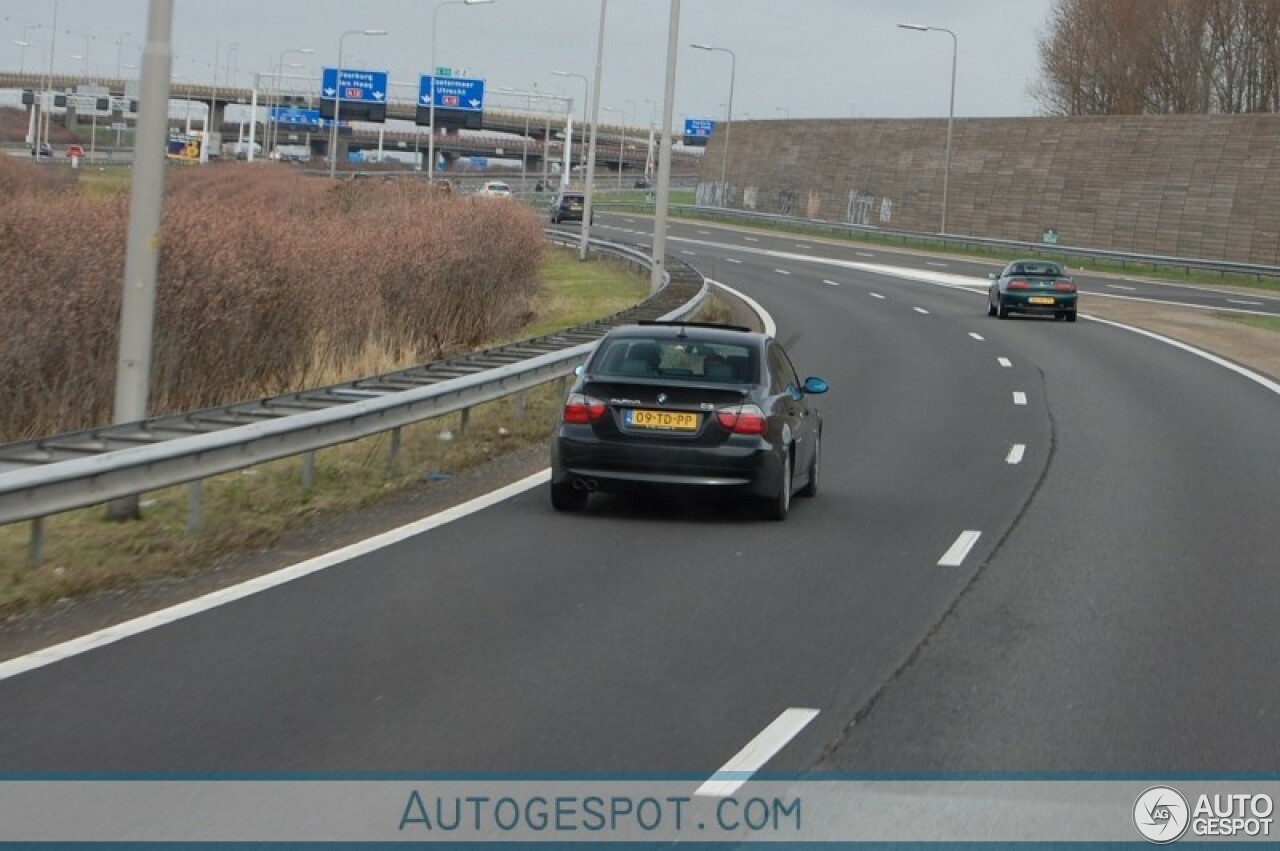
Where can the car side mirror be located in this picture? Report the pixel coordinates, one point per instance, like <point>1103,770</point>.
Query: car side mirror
<point>814,385</point>
<point>579,369</point>
<point>992,275</point>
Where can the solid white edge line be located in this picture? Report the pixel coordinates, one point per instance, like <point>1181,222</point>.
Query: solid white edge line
<point>1121,288</point>
<point>738,770</point>
<point>1242,301</point>
<point>118,632</point>
<point>1019,398</point>
<point>1255,377</point>
<point>770,327</point>
<point>1016,453</point>
<point>959,551</point>
<point>1005,362</point>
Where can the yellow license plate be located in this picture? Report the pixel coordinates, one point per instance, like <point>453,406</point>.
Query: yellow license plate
<point>1040,299</point>
<point>669,420</point>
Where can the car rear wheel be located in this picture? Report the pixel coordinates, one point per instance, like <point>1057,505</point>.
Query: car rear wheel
<point>991,305</point>
<point>1002,311</point>
<point>1071,316</point>
<point>811,487</point>
<point>565,498</point>
<point>777,506</point>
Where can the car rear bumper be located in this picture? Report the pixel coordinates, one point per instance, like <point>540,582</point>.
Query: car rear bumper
<point>1022,303</point>
<point>754,468</point>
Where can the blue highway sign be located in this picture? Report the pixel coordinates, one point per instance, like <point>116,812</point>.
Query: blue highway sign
<point>355,85</point>
<point>464,93</point>
<point>698,128</point>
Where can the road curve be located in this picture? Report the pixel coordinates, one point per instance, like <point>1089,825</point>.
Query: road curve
<point>1038,546</point>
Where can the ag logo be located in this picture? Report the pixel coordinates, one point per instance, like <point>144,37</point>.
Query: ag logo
<point>1161,814</point>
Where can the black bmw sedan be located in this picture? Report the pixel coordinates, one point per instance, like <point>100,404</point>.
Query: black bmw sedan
<point>688,405</point>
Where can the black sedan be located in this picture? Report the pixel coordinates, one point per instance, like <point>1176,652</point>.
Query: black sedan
<point>1032,286</point>
<point>688,405</point>
<point>569,207</point>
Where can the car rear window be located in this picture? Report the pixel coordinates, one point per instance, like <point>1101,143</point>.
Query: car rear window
<point>675,360</point>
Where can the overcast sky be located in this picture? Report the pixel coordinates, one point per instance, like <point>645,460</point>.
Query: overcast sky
<point>796,58</point>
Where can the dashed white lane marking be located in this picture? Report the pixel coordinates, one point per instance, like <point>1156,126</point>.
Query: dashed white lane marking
<point>630,221</point>
<point>936,264</point>
<point>975,335</point>
<point>959,551</point>
<point>864,254</point>
<point>690,253</point>
<point>1005,362</point>
<point>1241,301</point>
<point>1119,287</point>
<point>831,282</point>
<point>802,245</point>
<point>750,239</point>
<point>704,233</point>
<point>1019,398</point>
<point>732,260</point>
<point>758,751</point>
<point>1016,453</point>
<point>921,311</point>
<point>876,295</point>
<point>783,271</point>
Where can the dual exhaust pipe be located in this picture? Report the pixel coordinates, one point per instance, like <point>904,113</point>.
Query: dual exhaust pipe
<point>588,485</point>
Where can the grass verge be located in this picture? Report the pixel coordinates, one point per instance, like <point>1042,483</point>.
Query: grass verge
<point>251,509</point>
<point>1266,323</point>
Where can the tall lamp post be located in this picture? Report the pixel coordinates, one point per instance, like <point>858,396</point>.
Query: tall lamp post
<point>586,96</point>
<point>24,44</point>
<point>622,146</point>
<point>431,107</point>
<point>274,140</point>
<point>951,110</point>
<point>724,160</point>
<point>337,100</point>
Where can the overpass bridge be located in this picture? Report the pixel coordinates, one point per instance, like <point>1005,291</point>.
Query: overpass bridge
<point>534,136</point>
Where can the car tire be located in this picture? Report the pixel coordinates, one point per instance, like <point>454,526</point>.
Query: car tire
<point>1002,311</point>
<point>1071,316</point>
<point>565,498</point>
<point>811,487</point>
<point>991,307</point>
<point>776,507</point>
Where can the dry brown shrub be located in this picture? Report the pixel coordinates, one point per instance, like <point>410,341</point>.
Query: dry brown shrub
<point>267,279</point>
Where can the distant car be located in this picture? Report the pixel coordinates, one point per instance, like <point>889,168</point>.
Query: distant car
<point>1032,286</point>
<point>444,187</point>
<point>643,183</point>
<point>569,207</point>
<point>688,405</point>
<point>42,150</point>
<point>494,189</point>
<point>75,151</point>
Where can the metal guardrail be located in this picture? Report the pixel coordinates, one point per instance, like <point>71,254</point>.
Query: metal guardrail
<point>1254,270</point>
<point>54,474</point>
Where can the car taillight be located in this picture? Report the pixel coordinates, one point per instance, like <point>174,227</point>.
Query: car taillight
<point>582,409</point>
<point>743,419</point>
<point>1064,286</point>
<point>1019,285</point>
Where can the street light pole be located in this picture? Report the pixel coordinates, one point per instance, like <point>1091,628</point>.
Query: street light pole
<point>337,99</point>
<point>622,147</point>
<point>724,160</point>
<point>951,110</point>
<point>586,96</point>
<point>272,139</point>
<point>431,107</point>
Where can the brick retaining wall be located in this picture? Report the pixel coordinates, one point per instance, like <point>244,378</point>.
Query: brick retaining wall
<point>1204,186</point>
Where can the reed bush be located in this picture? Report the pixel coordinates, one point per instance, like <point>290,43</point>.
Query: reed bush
<point>268,280</point>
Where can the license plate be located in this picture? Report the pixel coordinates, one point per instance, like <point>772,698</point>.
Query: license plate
<point>1040,299</point>
<point>665,420</point>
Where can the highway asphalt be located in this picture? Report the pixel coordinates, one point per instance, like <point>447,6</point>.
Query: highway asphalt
<point>1038,546</point>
